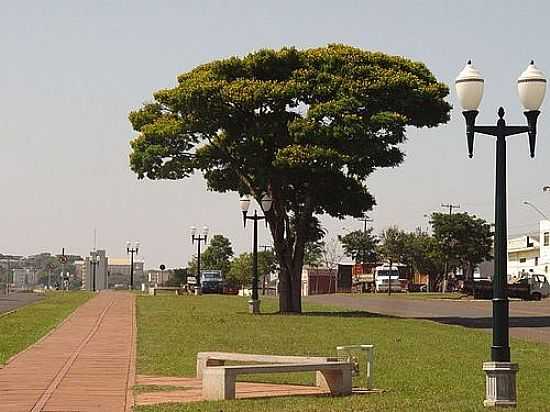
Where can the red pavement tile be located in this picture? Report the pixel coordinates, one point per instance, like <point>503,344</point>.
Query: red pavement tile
<point>86,364</point>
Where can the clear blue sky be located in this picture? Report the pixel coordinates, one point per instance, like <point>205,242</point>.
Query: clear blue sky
<point>71,72</point>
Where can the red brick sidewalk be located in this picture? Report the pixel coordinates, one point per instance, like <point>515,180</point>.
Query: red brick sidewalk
<point>86,364</point>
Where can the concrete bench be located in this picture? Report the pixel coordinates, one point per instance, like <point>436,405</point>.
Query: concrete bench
<point>207,359</point>
<point>218,382</point>
<point>153,291</point>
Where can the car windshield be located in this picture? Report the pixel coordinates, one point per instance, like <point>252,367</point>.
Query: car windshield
<point>386,273</point>
<point>211,275</point>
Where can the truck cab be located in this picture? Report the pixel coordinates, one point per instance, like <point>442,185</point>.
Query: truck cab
<point>387,277</point>
<point>211,281</point>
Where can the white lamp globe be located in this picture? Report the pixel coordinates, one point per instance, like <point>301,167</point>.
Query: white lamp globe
<point>244,203</point>
<point>469,87</point>
<point>267,201</point>
<point>532,87</point>
<point>193,230</point>
<point>205,231</point>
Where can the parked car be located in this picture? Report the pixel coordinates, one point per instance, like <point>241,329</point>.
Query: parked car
<point>530,287</point>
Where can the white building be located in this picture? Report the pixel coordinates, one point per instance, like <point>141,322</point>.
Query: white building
<point>530,253</point>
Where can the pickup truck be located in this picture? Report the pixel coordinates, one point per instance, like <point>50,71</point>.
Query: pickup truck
<point>533,287</point>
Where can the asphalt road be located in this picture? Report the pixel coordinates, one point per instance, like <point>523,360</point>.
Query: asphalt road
<point>529,320</point>
<point>16,300</point>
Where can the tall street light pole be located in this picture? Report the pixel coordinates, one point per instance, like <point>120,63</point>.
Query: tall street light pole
<point>94,261</point>
<point>500,372</point>
<point>266,202</point>
<point>198,238</point>
<point>540,212</point>
<point>131,249</point>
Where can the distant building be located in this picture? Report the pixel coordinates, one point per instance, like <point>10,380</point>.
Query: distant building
<point>86,271</point>
<point>119,271</point>
<point>159,277</point>
<point>24,278</point>
<point>530,253</point>
<point>321,280</point>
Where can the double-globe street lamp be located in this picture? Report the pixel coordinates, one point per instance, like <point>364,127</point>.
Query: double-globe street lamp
<point>132,248</point>
<point>500,372</point>
<point>266,202</point>
<point>199,238</point>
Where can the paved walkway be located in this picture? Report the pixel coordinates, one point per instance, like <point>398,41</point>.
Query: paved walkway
<point>86,364</point>
<point>529,320</point>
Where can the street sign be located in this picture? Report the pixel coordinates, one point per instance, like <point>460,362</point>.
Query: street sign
<point>191,280</point>
<point>162,267</point>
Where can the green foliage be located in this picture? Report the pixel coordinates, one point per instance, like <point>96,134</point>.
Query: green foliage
<point>240,272</point>
<point>313,253</point>
<point>307,126</point>
<point>466,239</point>
<point>360,245</point>
<point>393,244</point>
<point>179,278</point>
<point>28,324</point>
<point>218,254</point>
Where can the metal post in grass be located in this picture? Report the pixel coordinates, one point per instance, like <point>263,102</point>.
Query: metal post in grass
<point>500,372</point>
<point>266,202</point>
<point>199,238</point>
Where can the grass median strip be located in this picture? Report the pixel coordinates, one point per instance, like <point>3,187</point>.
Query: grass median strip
<point>28,324</point>
<point>421,365</point>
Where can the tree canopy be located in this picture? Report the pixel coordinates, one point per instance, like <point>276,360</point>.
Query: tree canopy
<point>465,239</point>
<point>360,245</point>
<point>306,126</point>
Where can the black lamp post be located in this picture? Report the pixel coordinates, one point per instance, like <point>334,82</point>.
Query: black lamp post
<point>131,249</point>
<point>501,373</point>
<point>199,239</point>
<point>94,261</point>
<point>266,202</point>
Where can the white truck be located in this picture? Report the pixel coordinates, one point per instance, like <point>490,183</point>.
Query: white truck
<point>387,278</point>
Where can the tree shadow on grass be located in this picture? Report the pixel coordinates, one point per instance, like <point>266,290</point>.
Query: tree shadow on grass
<point>335,314</point>
<point>487,322</point>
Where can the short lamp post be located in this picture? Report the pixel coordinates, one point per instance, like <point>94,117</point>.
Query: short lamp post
<point>132,249</point>
<point>94,261</point>
<point>500,372</point>
<point>199,238</point>
<point>266,202</point>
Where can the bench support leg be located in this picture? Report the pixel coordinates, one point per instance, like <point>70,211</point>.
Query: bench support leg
<point>337,382</point>
<point>217,385</point>
<point>205,362</point>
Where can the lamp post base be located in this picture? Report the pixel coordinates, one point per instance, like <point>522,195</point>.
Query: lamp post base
<point>254,306</point>
<point>500,384</point>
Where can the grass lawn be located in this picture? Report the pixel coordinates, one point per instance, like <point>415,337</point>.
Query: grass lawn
<point>423,366</point>
<point>28,324</point>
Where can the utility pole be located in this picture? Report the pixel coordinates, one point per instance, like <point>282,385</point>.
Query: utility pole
<point>365,219</point>
<point>451,207</point>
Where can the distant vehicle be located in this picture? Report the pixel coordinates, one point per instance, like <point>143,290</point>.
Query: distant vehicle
<point>211,281</point>
<point>385,276</point>
<point>531,287</point>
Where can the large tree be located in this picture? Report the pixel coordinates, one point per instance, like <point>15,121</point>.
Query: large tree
<point>305,126</point>
<point>466,240</point>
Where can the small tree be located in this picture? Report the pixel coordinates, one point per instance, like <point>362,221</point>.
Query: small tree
<point>465,239</point>
<point>332,254</point>
<point>218,254</point>
<point>240,272</point>
<point>360,245</point>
